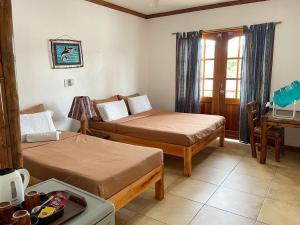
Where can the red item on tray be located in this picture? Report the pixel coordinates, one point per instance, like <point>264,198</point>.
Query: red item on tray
<point>58,201</point>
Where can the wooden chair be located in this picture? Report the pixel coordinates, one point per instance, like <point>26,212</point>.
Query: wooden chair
<point>276,134</point>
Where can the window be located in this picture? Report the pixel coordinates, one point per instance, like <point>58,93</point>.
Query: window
<point>234,65</point>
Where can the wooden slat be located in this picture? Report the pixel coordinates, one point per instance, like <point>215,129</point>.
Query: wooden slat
<point>1,70</point>
<point>5,160</point>
<point>9,96</point>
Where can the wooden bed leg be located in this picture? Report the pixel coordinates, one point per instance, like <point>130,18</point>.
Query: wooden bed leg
<point>187,162</point>
<point>222,138</point>
<point>160,188</point>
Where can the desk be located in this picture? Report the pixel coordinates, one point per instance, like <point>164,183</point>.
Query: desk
<point>268,121</point>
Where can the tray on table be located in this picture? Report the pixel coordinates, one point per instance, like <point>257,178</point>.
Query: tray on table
<point>74,205</point>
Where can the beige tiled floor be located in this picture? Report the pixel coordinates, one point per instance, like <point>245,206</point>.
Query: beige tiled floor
<point>227,187</point>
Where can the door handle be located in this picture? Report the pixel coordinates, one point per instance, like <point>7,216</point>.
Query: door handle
<point>222,89</point>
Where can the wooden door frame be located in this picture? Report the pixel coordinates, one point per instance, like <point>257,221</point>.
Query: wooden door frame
<point>218,100</point>
<point>9,92</point>
<point>210,36</point>
<point>226,102</point>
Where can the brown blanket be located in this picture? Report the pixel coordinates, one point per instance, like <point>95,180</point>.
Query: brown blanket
<point>169,127</point>
<point>99,166</point>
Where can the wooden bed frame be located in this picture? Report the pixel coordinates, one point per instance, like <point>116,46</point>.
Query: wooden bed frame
<point>120,199</point>
<point>184,152</point>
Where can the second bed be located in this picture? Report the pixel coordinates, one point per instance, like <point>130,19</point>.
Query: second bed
<point>178,134</point>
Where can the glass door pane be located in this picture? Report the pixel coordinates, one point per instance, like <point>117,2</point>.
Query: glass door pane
<point>234,63</point>
<point>208,67</point>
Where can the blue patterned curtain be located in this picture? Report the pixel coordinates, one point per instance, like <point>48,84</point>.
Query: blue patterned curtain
<point>188,80</point>
<point>256,71</point>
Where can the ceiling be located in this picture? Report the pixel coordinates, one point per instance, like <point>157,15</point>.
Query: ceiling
<point>151,7</point>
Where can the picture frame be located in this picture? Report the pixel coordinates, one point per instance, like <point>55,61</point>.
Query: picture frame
<point>66,53</point>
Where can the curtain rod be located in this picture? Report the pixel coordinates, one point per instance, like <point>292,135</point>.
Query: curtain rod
<point>227,29</point>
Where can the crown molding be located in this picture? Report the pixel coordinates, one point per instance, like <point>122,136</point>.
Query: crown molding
<point>173,12</point>
<point>118,8</point>
<point>204,7</point>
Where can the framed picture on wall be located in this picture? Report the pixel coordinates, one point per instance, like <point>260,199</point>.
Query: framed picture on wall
<point>66,53</point>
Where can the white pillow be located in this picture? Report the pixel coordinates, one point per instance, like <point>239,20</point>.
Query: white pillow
<point>36,123</point>
<point>139,104</point>
<point>110,111</point>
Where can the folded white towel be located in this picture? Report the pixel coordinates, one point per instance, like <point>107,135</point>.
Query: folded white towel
<point>47,136</point>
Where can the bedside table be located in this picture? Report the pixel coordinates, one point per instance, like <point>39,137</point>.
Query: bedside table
<point>98,211</point>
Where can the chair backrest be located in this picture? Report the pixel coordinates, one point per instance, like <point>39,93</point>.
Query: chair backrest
<point>253,116</point>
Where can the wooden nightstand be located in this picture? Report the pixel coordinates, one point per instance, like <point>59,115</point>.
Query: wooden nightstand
<point>98,212</point>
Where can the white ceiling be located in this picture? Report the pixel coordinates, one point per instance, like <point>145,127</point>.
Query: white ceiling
<point>149,6</point>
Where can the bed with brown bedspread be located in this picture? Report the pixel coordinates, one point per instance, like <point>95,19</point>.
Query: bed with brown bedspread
<point>99,166</point>
<point>179,134</point>
<point>115,171</point>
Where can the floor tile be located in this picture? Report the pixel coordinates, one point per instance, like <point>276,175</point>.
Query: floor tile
<point>124,215</point>
<point>285,192</point>
<point>249,184</point>
<point>235,144</point>
<point>145,199</point>
<point>173,164</point>
<point>291,160</point>
<point>279,213</point>
<point>139,203</point>
<point>193,189</point>
<point>251,167</point>
<point>143,220</point>
<point>236,202</point>
<point>171,177</point>
<point>173,210</point>
<point>234,151</point>
<point>288,176</point>
<point>208,174</point>
<point>212,216</point>
<point>221,161</point>
<point>239,199</point>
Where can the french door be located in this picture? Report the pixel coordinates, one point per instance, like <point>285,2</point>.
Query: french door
<point>222,54</point>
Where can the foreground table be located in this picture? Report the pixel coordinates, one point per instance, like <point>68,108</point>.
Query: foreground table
<point>268,121</point>
<point>98,211</point>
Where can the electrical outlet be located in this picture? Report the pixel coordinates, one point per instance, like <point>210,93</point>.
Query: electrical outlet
<point>71,82</point>
<point>68,82</point>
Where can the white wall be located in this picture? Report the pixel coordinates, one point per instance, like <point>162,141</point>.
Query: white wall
<point>124,53</point>
<point>161,45</point>
<point>112,51</point>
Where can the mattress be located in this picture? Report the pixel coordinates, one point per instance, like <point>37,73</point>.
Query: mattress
<point>183,129</point>
<point>99,166</point>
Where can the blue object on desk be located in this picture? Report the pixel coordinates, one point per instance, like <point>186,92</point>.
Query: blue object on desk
<point>287,95</point>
